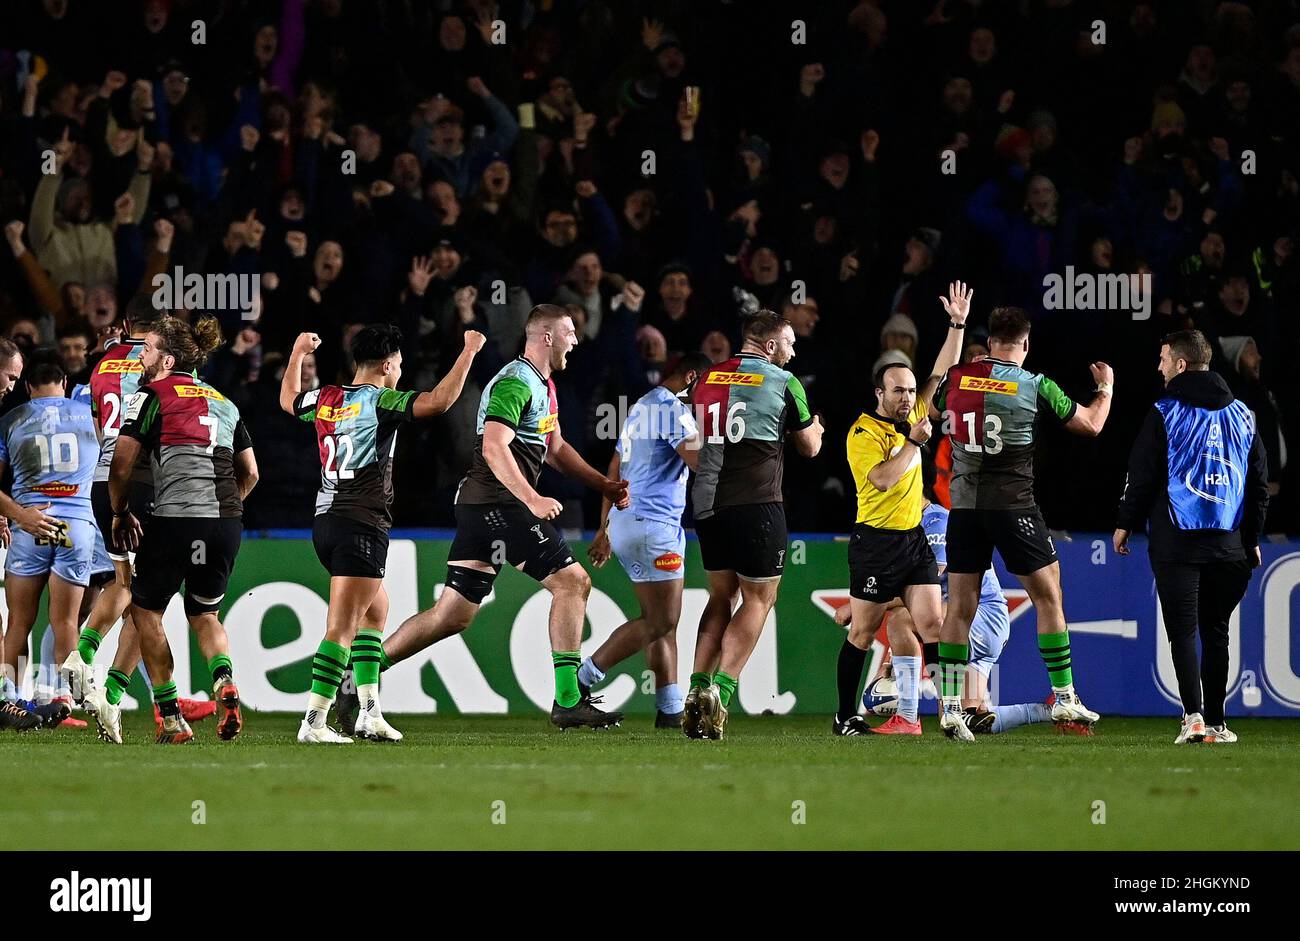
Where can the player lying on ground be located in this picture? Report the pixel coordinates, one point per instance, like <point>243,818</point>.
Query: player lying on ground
<point>203,468</point>
<point>501,519</point>
<point>888,554</point>
<point>988,408</point>
<point>747,404</point>
<point>658,446</point>
<point>356,434</point>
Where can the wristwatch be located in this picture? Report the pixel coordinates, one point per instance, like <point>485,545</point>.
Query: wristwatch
<point>954,325</point>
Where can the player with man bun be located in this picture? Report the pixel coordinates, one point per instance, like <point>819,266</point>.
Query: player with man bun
<point>203,468</point>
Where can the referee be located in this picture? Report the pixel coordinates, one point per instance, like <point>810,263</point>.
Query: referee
<point>889,554</point>
<point>1198,473</point>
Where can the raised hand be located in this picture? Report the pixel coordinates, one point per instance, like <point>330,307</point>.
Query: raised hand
<point>63,148</point>
<point>14,236</point>
<point>464,300</point>
<point>583,122</point>
<point>248,137</point>
<point>957,303</point>
<point>124,209</point>
<point>633,295</point>
<point>652,32</point>
<point>476,87</point>
<point>1102,373</point>
<point>163,231</point>
<point>474,341</point>
<point>420,274</point>
<point>113,80</point>
<point>306,343</point>
<point>297,242</point>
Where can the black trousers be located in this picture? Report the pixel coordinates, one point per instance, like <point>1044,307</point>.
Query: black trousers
<point>1200,595</point>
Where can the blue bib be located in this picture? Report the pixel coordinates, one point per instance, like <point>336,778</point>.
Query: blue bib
<point>1209,454</point>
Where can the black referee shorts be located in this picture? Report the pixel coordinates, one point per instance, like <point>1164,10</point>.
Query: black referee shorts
<point>882,562</point>
<point>1020,536</point>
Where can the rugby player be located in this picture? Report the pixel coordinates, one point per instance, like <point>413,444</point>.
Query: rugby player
<point>501,518</point>
<point>203,468</point>
<point>746,405</point>
<point>356,433</point>
<point>989,407</point>
<point>658,446</point>
<point>113,382</point>
<point>889,556</point>
<point>50,442</point>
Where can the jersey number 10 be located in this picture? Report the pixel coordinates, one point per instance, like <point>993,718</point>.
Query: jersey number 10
<point>58,453</point>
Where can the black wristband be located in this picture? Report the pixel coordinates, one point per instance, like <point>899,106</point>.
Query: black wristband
<point>916,444</point>
<point>954,325</point>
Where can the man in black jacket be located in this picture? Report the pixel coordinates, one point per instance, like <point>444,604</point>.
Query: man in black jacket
<point>1199,473</point>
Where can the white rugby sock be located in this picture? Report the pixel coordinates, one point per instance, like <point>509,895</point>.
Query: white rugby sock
<point>318,708</point>
<point>907,672</point>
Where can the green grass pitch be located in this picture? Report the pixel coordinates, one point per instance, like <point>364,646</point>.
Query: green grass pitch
<point>638,788</point>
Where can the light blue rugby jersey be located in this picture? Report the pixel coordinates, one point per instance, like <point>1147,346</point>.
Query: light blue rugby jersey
<point>51,444</point>
<point>649,462</point>
<point>993,605</point>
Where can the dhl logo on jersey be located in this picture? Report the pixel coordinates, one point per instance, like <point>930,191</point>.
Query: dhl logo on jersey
<point>548,424</point>
<point>734,379</point>
<point>120,366</point>
<point>198,392</point>
<point>996,386</point>
<point>57,489</point>
<point>330,413</point>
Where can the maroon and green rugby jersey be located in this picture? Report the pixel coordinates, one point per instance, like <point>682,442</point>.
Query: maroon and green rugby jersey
<point>988,409</point>
<point>744,407</point>
<point>192,433</point>
<point>356,434</point>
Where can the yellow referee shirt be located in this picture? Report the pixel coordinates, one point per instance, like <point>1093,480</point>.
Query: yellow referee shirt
<point>871,441</point>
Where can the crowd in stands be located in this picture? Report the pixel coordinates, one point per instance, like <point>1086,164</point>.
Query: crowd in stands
<point>661,167</point>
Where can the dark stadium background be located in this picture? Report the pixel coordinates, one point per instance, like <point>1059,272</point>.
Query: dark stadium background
<point>817,161</point>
